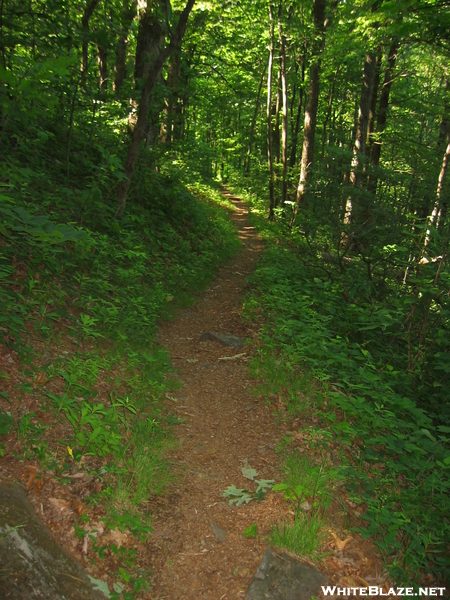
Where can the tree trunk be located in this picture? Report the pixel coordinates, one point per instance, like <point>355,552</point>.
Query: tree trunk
<point>293,157</point>
<point>269,117</point>
<point>102,57</point>
<point>129,13</point>
<point>361,131</point>
<point>313,100</point>
<point>329,107</point>
<point>382,115</point>
<point>363,117</point>
<point>276,129</point>
<point>438,206</point>
<point>285,107</point>
<point>252,128</point>
<point>88,12</point>
<point>444,128</point>
<point>141,124</point>
<point>150,40</point>
<point>373,104</point>
<point>171,100</point>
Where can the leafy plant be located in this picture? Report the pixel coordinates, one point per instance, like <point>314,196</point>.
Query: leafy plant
<point>239,496</point>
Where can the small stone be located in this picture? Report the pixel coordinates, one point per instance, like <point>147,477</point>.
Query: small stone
<point>226,339</point>
<point>219,532</point>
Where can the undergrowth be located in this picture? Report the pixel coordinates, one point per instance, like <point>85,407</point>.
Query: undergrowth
<point>81,298</point>
<point>335,342</point>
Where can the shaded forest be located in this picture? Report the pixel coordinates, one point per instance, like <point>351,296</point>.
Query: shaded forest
<point>119,121</point>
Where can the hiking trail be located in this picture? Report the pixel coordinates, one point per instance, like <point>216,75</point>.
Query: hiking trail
<point>226,425</point>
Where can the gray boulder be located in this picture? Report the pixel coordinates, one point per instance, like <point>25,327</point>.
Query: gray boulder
<point>32,565</point>
<point>226,339</point>
<point>281,577</point>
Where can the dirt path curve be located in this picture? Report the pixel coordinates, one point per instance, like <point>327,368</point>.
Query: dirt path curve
<point>226,425</point>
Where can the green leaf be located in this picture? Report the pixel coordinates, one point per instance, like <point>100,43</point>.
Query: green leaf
<point>251,531</point>
<point>100,585</point>
<point>248,472</point>
<point>264,484</point>
<point>280,487</point>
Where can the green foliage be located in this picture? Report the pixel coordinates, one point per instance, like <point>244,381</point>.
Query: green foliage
<point>251,531</point>
<point>337,327</point>
<point>308,487</point>
<point>302,536</point>
<point>238,496</point>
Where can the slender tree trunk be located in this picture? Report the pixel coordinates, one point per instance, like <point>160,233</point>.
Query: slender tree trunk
<point>293,156</point>
<point>2,4</point>
<point>88,12</point>
<point>128,16</point>
<point>252,128</point>
<point>269,118</point>
<point>284,137</point>
<point>313,101</point>
<point>361,131</point>
<point>141,124</point>
<point>276,129</point>
<point>373,104</point>
<point>72,110</point>
<point>329,107</point>
<point>439,205</point>
<point>170,102</point>
<point>444,128</point>
<point>363,117</point>
<point>382,115</point>
<point>120,64</point>
<point>102,56</point>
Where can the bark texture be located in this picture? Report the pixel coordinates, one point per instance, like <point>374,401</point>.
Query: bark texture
<point>359,147</point>
<point>252,128</point>
<point>88,12</point>
<point>150,41</point>
<point>171,99</point>
<point>382,114</point>
<point>269,118</point>
<point>329,108</point>
<point>313,101</point>
<point>284,134</point>
<point>293,156</point>
<point>154,71</point>
<point>128,16</point>
<point>102,57</point>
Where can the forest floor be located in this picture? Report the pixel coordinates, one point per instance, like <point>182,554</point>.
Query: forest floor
<point>224,426</point>
<point>228,426</point>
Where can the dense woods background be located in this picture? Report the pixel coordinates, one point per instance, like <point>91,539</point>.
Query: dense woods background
<point>334,118</point>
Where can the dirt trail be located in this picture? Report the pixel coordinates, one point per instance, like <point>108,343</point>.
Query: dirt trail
<point>226,425</point>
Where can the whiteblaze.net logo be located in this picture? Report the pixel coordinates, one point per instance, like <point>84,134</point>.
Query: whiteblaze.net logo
<point>333,590</point>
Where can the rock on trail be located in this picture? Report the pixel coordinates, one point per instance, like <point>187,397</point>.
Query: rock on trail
<point>32,565</point>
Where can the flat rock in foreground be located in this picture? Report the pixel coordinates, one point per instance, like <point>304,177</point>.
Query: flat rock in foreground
<point>281,577</point>
<point>226,339</point>
<point>33,565</point>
